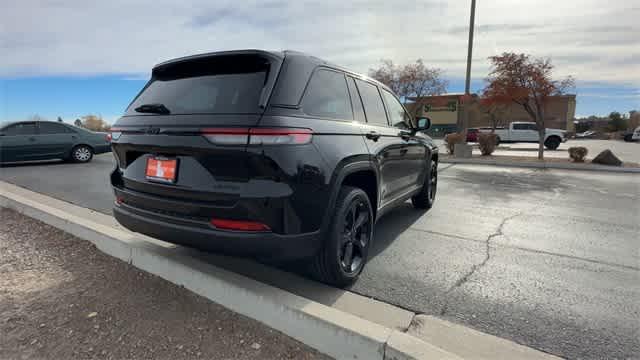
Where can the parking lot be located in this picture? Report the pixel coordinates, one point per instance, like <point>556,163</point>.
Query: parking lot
<point>548,259</point>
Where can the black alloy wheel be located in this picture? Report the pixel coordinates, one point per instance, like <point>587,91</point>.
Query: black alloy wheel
<point>355,236</point>
<point>433,184</point>
<point>346,246</point>
<point>427,195</point>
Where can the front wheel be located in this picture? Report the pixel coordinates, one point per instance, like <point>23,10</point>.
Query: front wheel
<point>81,154</point>
<point>427,195</point>
<point>552,143</point>
<point>628,138</point>
<point>346,246</point>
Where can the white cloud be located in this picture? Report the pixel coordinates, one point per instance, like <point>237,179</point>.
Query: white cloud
<point>592,40</point>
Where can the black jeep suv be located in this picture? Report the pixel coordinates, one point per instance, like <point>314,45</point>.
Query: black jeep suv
<point>274,155</point>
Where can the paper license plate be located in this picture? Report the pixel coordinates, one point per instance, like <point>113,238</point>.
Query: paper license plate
<point>162,169</point>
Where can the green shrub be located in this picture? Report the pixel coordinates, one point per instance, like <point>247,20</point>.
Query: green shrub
<point>487,143</point>
<point>452,139</point>
<point>578,153</point>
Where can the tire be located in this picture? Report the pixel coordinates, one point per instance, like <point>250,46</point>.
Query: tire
<point>552,143</point>
<point>346,246</point>
<point>628,138</point>
<point>497,140</point>
<point>427,195</point>
<point>81,154</point>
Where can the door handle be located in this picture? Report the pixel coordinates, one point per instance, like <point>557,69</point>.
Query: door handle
<point>373,135</point>
<point>74,137</point>
<point>403,151</point>
<point>32,139</point>
<point>404,135</point>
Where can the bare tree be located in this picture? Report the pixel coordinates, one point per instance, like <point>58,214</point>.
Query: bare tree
<point>526,81</point>
<point>413,80</point>
<point>95,123</point>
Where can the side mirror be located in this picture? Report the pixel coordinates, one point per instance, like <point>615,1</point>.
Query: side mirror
<point>423,123</point>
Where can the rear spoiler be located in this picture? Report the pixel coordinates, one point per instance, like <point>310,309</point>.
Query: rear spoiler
<point>272,56</point>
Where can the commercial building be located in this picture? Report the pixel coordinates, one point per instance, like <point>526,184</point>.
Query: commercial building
<point>448,110</point>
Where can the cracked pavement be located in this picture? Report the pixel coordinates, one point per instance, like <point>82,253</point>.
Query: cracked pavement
<point>546,258</point>
<point>465,277</point>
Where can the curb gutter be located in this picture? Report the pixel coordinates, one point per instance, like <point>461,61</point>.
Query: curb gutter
<point>545,165</point>
<point>336,333</point>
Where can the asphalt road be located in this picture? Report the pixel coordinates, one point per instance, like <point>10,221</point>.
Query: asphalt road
<point>547,258</point>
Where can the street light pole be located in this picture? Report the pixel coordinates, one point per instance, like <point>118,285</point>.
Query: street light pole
<point>463,118</point>
<point>467,84</point>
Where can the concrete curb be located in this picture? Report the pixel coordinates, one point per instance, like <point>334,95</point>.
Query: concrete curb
<point>545,165</point>
<point>330,331</point>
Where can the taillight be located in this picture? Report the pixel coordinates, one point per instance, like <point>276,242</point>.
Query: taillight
<point>227,136</point>
<point>114,134</point>
<point>257,136</point>
<point>108,137</point>
<point>239,225</point>
<point>264,136</point>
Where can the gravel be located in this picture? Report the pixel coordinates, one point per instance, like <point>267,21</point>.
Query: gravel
<point>61,298</point>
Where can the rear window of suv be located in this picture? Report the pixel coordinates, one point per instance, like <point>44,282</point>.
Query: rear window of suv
<point>225,85</point>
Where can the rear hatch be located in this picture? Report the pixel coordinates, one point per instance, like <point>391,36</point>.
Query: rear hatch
<point>196,111</point>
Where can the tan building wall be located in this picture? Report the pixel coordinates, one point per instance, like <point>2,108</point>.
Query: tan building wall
<point>445,110</point>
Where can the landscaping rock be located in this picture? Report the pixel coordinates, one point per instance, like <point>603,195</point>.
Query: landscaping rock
<point>606,157</point>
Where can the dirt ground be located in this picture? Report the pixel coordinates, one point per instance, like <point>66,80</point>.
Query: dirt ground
<point>61,298</point>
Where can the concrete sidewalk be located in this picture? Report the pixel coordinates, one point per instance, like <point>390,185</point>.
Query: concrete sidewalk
<point>531,162</point>
<point>627,152</point>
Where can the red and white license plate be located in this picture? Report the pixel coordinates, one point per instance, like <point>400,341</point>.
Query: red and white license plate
<point>161,169</point>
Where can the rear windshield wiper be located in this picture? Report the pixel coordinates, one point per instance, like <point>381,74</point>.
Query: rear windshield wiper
<point>153,108</point>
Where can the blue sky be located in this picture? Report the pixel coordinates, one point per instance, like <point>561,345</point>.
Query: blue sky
<point>108,96</point>
<point>64,58</point>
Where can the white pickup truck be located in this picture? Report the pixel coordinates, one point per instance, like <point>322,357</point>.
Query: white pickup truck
<point>528,132</point>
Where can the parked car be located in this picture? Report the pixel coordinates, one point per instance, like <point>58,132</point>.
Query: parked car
<point>274,155</point>
<point>472,135</point>
<point>632,135</point>
<point>43,140</point>
<point>528,132</point>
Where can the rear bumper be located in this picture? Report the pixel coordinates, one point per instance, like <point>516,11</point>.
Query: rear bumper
<point>268,246</point>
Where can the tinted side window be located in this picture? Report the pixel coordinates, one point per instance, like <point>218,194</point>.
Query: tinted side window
<point>532,127</point>
<point>372,101</point>
<point>520,126</point>
<point>327,96</point>
<point>399,118</point>
<point>358,110</point>
<point>50,128</point>
<point>21,129</point>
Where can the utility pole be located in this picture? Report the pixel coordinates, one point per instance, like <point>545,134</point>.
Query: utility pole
<point>463,118</point>
<point>467,84</point>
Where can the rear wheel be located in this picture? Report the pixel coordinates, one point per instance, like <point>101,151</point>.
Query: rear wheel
<point>427,195</point>
<point>628,138</point>
<point>552,143</point>
<point>81,154</point>
<point>346,247</point>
